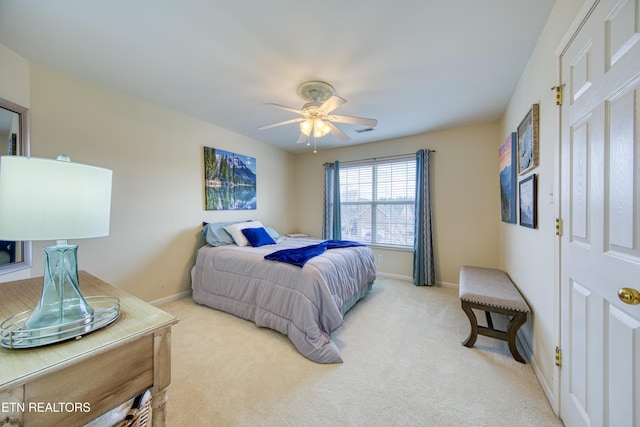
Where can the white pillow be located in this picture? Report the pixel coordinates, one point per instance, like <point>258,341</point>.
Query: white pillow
<point>235,230</point>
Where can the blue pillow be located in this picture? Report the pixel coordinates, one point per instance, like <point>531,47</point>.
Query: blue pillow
<point>258,237</point>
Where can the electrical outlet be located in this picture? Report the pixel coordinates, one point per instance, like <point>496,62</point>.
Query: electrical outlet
<point>380,258</point>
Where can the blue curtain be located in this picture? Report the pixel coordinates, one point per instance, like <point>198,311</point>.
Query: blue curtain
<point>424,273</point>
<point>331,224</point>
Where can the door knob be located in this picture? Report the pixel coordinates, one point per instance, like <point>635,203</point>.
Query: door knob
<point>629,296</point>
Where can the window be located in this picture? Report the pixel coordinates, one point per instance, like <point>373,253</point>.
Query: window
<point>377,201</point>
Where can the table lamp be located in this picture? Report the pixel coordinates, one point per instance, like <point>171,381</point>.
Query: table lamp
<point>45,199</point>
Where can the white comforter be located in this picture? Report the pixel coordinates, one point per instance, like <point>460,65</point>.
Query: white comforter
<point>303,303</point>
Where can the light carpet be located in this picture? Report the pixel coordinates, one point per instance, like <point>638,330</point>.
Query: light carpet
<point>404,365</point>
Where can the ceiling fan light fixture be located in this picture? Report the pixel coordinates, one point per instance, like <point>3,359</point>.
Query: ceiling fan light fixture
<point>306,127</point>
<point>320,128</point>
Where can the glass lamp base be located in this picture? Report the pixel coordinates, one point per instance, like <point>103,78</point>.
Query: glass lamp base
<point>61,301</point>
<point>62,312</point>
<point>15,334</point>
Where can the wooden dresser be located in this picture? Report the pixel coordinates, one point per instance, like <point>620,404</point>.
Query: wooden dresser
<point>73,382</point>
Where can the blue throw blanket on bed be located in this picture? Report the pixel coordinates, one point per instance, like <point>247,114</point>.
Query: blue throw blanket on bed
<point>300,256</point>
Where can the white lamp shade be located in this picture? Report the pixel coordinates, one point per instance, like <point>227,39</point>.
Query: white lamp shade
<point>44,199</point>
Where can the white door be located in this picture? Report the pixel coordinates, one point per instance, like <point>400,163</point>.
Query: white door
<point>600,205</point>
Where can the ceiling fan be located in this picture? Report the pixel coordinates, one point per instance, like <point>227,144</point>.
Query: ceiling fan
<point>316,119</point>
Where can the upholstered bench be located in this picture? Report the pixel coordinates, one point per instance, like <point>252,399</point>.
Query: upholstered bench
<point>492,291</point>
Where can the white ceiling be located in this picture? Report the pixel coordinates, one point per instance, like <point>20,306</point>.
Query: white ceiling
<point>414,65</point>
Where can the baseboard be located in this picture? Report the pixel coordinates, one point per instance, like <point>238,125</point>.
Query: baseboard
<point>449,285</point>
<point>410,279</point>
<point>546,388</point>
<point>170,298</point>
<point>395,276</point>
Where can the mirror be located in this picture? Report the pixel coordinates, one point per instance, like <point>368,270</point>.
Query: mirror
<point>14,141</point>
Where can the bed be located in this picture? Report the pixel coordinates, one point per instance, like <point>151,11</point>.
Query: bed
<point>304,303</point>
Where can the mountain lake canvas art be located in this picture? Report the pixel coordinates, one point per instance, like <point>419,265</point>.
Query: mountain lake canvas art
<point>507,162</point>
<point>229,180</point>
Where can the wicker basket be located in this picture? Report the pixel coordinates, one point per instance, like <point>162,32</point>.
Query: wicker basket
<point>140,413</point>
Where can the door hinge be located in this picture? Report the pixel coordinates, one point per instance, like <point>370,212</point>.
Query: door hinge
<point>559,90</point>
<point>558,356</point>
<point>558,226</point>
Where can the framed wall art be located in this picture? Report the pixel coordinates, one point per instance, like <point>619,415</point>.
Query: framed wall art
<point>229,180</point>
<point>528,202</point>
<point>528,141</point>
<point>508,178</point>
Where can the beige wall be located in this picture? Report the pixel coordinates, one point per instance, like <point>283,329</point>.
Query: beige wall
<point>465,196</point>
<point>157,199</point>
<point>14,77</point>
<point>14,87</point>
<point>529,256</point>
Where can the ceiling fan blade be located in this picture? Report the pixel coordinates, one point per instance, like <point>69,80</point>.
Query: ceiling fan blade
<point>332,103</point>
<point>302,138</point>
<point>338,133</point>
<point>293,110</point>
<point>354,120</point>
<point>286,122</point>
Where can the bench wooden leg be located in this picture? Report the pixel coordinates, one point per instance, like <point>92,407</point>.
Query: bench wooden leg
<point>489,321</point>
<point>517,320</point>
<point>473,335</point>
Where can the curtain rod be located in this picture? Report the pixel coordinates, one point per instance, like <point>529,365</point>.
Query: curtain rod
<point>398,156</point>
